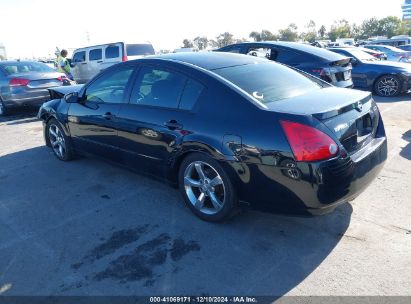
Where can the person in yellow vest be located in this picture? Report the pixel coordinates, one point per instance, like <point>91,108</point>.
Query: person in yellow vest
<point>63,66</point>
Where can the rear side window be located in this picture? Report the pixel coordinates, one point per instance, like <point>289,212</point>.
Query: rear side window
<point>112,51</point>
<point>95,54</point>
<point>139,49</point>
<point>287,56</point>
<point>191,93</point>
<point>269,82</point>
<point>110,87</point>
<point>79,57</point>
<point>157,87</point>
<point>233,49</point>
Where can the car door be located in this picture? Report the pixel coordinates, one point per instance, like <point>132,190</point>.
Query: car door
<point>113,54</point>
<point>79,64</point>
<point>153,124</point>
<point>95,57</point>
<point>93,120</point>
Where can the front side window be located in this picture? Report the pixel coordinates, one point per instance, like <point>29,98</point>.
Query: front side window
<point>95,54</point>
<point>110,87</point>
<point>269,81</point>
<point>79,57</point>
<point>157,87</point>
<point>112,51</point>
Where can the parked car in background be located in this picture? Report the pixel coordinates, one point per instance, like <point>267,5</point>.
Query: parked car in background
<point>328,66</point>
<point>305,146</point>
<point>89,61</point>
<point>26,83</point>
<point>385,78</point>
<point>406,47</point>
<point>377,54</point>
<point>393,53</point>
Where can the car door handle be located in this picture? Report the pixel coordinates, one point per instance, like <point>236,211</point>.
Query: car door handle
<point>100,61</point>
<point>84,63</point>
<point>173,125</point>
<point>108,116</point>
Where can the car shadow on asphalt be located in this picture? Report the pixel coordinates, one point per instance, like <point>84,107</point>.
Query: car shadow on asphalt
<point>20,115</point>
<point>90,228</point>
<point>406,151</point>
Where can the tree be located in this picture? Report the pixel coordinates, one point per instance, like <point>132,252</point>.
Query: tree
<point>223,40</point>
<point>290,33</point>
<point>340,29</point>
<point>311,32</point>
<point>187,43</point>
<point>392,26</point>
<point>322,31</point>
<point>264,35</point>
<point>256,36</point>
<point>201,42</point>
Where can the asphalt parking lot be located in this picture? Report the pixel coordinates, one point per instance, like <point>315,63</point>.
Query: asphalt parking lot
<point>90,228</point>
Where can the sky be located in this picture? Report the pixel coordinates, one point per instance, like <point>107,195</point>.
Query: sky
<point>33,28</point>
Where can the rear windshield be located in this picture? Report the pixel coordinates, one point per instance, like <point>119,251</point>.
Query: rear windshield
<point>269,82</point>
<point>25,67</point>
<point>139,49</point>
<point>361,55</point>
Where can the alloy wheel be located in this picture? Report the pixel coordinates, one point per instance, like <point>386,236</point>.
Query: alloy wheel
<point>388,86</point>
<point>204,187</point>
<point>57,141</point>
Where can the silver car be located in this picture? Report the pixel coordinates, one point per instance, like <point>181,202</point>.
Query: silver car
<point>26,83</point>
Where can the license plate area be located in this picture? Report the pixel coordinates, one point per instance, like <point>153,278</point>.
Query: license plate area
<point>347,75</point>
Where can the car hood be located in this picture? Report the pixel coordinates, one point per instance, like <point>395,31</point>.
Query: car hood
<point>59,92</point>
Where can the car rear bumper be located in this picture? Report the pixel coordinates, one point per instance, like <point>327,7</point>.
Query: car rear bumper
<point>348,84</point>
<point>26,98</point>
<point>319,188</point>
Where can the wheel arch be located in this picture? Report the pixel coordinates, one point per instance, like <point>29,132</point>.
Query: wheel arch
<point>190,148</point>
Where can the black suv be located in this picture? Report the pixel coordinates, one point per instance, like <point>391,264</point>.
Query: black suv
<point>328,66</point>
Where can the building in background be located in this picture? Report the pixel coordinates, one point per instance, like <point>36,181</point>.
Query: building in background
<point>3,55</point>
<point>406,12</point>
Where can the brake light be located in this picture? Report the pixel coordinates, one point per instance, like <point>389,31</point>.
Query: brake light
<point>124,58</point>
<point>18,82</point>
<point>308,143</point>
<point>61,78</point>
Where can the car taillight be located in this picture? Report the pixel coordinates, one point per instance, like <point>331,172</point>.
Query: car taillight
<point>124,58</point>
<point>324,73</point>
<point>17,82</point>
<point>307,143</point>
<point>61,78</point>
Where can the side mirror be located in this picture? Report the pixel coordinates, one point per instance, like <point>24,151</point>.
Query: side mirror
<point>72,97</point>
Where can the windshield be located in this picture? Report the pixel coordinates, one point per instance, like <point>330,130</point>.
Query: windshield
<point>25,67</point>
<point>139,49</point>
<point>269,82</point>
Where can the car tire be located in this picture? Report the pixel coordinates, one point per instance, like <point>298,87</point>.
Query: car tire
<point>59,142</point>
<point>3,108</point>
<point>387,86</point>
<point>206,188</point>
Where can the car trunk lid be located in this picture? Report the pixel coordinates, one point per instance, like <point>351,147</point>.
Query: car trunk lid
<point>353,117</point>
<point>39,80</point>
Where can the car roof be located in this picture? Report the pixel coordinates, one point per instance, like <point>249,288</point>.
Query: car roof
<point>315,51</point>
<point>209,60</point>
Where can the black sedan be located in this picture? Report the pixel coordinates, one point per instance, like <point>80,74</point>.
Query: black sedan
<point>229,130</point>
<point>385,78</point>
